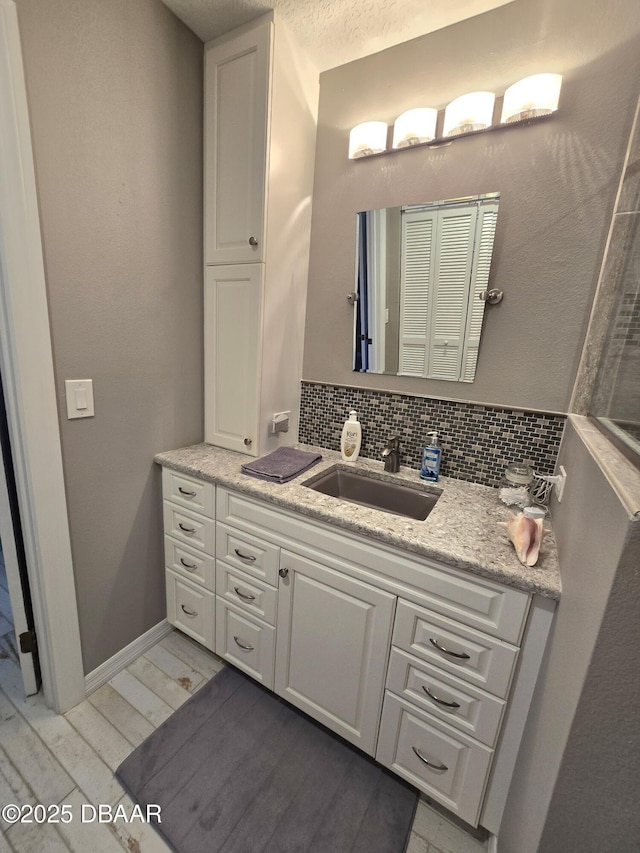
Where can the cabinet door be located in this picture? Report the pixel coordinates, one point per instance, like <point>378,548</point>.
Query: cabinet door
<point>236,117</point>
<point>232,302</point>
<point>332,646</point>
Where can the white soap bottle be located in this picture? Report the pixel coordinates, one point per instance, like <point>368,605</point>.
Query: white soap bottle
<point>351,438</point>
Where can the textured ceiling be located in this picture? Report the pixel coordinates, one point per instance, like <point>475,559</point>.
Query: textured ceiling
<point>333,32</point>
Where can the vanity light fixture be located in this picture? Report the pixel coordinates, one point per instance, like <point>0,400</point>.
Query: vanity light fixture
<point>527,100</point>
<point>414,127</point>
<point>367,138</point>
<point>531,97</point>
<point>469,113</point>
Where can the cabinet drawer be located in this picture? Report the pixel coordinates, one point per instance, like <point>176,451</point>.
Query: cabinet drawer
<point>246,592</point>
<point>254,556</point>
<point>245,642</point>
<point>188,527</point>
<point>188,492</point>
<point>190,608</point>
<point>470,655</point>
<point>457,703</point>
<point>195,565</point>
<point>437,759</point>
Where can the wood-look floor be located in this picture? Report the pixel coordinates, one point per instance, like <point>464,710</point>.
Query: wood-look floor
<point>51,759</point>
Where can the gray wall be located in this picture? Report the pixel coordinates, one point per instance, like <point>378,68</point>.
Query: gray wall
<point>115,97</point>
<point>576,781</point>
<point>557,180</point>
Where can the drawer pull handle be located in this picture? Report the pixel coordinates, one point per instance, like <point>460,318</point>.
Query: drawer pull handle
<point>186,493</point>
<point>245,648</point>
<point>187,611</point>
<point>429,763</point>
<point>253,241</point>
<point>283,572</point>
<point>248,557</point>
<point>186,529</point>
<point>244,595</point>
<point>458,655</point>
<point>190,567</point>
<point>439,701</point>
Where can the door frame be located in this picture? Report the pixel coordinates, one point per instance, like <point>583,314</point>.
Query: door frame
<point>10,535</point>
<point>26,363</point>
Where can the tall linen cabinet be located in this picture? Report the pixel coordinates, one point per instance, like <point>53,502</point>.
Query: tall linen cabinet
<point>261,99</point>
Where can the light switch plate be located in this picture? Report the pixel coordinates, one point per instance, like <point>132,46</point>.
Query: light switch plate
<point>79,398</point>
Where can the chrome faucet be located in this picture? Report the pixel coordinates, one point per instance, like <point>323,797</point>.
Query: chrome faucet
<point>391,455</point>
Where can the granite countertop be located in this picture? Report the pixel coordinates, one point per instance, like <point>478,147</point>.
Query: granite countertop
<point>461,530</point>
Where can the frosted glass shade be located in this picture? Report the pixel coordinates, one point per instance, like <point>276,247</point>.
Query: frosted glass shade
<point>470,112</point>
<point>414,127</point>
<point>367,138</point>
<point>534,96</point>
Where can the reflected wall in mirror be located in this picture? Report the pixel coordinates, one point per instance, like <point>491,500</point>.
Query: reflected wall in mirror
<point>421,270</point>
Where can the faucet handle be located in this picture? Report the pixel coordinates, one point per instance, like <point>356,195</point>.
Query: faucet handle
<point>393,442</point>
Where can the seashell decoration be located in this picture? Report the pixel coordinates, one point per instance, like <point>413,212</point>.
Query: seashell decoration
<point>526,534</point>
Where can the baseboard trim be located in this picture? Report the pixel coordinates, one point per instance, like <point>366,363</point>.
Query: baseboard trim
<point>101,674</point>
<point>492,844</point>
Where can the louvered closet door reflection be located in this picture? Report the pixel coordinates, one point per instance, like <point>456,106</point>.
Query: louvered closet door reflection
<point>416,286</point>
<point>485,233</point>
<point>455,232</point>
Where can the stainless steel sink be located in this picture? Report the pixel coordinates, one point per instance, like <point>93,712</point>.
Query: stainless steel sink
<point>368,490</point>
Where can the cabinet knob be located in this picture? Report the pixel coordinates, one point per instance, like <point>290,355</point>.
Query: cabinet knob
<point>283,573</point>
<point>247,442</point>
<point>253,241</point>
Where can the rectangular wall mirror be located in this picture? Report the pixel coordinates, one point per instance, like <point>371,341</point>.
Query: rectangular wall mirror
<point>420,272</point>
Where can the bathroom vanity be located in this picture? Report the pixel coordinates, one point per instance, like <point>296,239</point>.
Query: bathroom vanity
<point>417,641</point>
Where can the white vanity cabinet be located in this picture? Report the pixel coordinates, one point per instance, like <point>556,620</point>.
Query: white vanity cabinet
<point>429,669</point>
<point>260,120</point>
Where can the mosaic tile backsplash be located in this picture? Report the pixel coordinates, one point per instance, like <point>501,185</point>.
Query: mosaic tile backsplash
<point>477,441</point>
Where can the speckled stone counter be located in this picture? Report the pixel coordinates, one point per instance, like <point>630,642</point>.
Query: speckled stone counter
<point>461,530</point>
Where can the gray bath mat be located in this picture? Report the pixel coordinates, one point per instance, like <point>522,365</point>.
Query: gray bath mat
<point>238,770</point>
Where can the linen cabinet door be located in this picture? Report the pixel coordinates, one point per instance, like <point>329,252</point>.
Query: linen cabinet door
<point>332,645</point>
<point>232,331</point>
<point>236,121</point>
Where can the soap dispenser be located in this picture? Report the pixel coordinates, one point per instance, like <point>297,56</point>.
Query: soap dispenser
<point>431,456</point>
<point>351,438</point>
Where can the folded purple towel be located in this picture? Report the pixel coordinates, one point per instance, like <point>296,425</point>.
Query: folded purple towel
<point>282,465</point>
